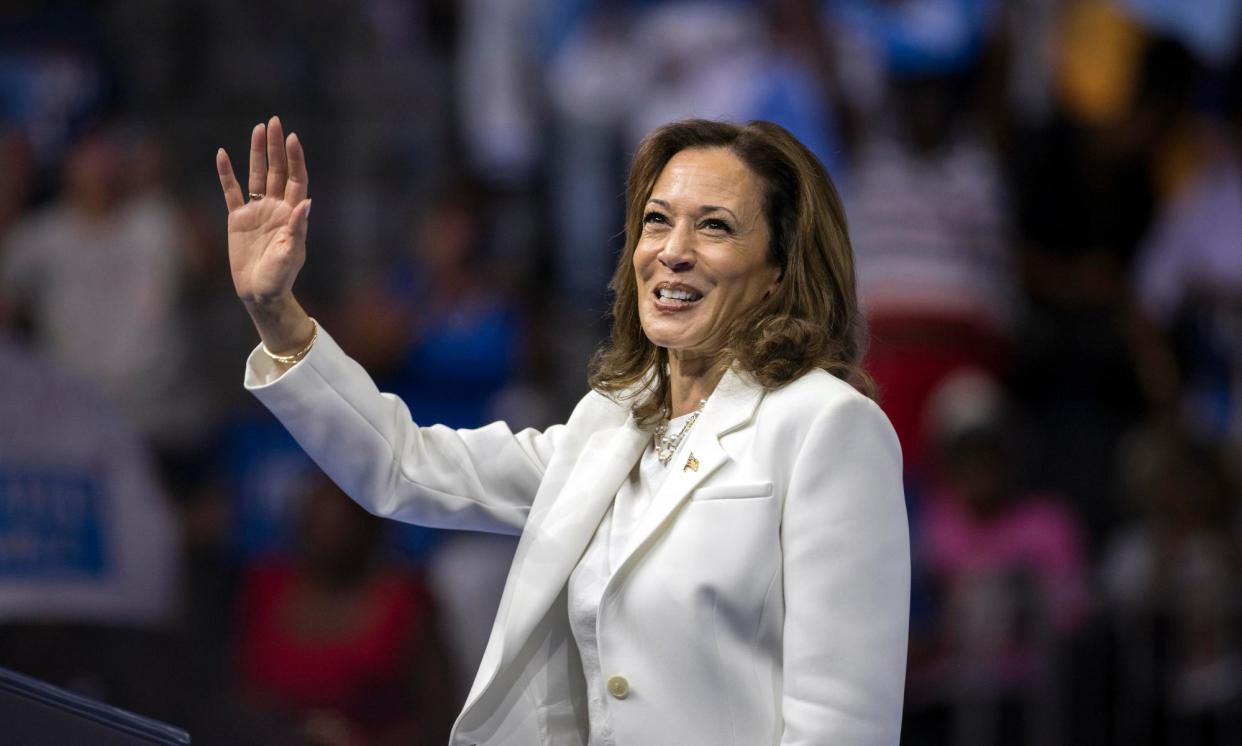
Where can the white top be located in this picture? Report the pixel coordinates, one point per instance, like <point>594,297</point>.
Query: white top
<point>105,297</point>
<point>1192,251</point>
<point>590,578</point>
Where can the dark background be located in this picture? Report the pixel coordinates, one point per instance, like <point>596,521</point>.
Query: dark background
<point>1044,196</point>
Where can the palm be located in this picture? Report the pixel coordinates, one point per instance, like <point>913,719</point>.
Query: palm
<point>259,243</point>
<point>267,234</point>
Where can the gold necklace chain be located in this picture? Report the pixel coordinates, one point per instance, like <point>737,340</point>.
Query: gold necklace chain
<point>666,445</point>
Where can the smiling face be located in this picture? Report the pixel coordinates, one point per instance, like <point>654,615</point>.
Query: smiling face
<point>702,258</point>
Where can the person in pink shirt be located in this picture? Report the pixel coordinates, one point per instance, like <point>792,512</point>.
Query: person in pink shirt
<point>1007,566</point>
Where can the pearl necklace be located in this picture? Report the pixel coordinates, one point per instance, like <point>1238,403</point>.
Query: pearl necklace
<point>666,445</point>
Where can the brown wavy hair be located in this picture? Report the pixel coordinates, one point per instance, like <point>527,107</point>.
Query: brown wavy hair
<point>810,321</point>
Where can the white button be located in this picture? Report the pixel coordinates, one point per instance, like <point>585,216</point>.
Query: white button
<point>618,687</point>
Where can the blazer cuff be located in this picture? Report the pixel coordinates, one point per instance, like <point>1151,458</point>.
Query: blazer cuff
<point>263,373</point>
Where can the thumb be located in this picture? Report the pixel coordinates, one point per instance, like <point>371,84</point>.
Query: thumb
<point>299,220</point>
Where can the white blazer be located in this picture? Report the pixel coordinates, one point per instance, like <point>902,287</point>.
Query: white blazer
<point>767,603</point>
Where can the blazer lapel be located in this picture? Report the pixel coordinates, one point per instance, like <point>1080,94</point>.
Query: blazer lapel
<point>730,406</point>
<point>554,542</point>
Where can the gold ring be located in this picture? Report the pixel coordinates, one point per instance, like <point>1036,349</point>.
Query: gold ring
<point>255,197</point>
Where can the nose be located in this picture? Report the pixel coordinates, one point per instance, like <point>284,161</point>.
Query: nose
<point>677,253</point>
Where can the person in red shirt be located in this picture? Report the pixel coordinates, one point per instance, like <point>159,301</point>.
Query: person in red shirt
<point>336,644</point>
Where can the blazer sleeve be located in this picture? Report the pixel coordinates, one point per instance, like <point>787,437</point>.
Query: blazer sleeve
<point>483,479</point>
<point>846,551</point>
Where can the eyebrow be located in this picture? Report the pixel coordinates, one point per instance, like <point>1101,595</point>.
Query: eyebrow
<point>702,210</point>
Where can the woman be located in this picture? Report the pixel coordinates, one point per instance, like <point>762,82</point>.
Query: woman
<point>714,546</point>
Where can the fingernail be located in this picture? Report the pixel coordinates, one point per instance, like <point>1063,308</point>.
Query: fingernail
<point>308,207</point>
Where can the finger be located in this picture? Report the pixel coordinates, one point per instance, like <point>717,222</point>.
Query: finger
<point>233,197</point>
<point>258,160</point>
<point>277,165</point>
<point>299,221</point>
<point>295,190</point>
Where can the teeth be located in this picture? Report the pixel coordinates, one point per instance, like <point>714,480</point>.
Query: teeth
<point>675,294</point>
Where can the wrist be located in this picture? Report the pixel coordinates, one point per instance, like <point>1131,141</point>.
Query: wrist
<point>283,326</point>
<point>290,359</point>
<point>270,307</point>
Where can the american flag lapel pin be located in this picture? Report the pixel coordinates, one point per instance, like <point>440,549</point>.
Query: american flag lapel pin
<point>692,464</point>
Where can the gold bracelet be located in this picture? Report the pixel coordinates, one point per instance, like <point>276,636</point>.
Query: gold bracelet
<point>296,357</point>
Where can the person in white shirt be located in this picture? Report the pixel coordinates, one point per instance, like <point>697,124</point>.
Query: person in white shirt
<point>714,547</point>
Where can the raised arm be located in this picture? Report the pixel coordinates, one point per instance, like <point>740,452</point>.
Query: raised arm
<point>483,479</point>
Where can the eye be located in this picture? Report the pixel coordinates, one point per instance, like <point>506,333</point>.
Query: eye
<point>655,217</point>
<point>716,224</point>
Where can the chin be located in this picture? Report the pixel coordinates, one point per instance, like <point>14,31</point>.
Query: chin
<point>661,335</point>
<point>671,341</point>
<point>670,333</point>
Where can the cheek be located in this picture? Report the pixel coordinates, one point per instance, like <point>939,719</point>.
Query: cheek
<point>644,258</point>
<point>746,281</point>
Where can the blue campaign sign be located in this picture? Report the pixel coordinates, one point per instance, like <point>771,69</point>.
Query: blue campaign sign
<point>51,524</point>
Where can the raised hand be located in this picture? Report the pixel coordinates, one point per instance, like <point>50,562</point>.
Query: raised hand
<point>267,233</point>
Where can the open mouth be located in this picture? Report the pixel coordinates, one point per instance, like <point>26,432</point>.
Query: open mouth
<point>676,295</point>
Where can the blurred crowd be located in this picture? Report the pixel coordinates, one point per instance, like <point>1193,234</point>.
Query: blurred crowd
<point>1045,201</point>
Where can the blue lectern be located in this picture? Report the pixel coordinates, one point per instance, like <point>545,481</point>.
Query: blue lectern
<point>33,713</point>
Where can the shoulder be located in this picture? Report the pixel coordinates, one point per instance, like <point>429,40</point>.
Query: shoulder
<point>820,406</point>
<point>818,393</point>
<point>598,409</point>
<point>1046,516</point>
